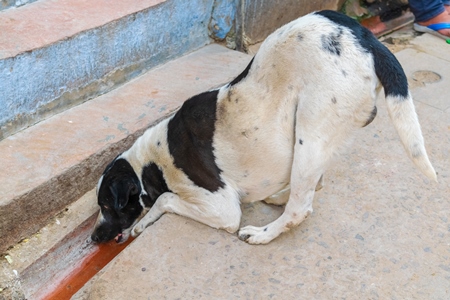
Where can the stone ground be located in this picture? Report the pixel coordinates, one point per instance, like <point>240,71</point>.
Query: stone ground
<point>379,230</point>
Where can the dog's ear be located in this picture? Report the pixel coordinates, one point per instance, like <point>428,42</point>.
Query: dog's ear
<point>122,191</point>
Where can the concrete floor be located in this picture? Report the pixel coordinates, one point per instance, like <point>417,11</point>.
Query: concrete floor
<point>380,229</point>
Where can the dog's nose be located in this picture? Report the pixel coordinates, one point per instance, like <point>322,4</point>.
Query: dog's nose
<point>95,238</point>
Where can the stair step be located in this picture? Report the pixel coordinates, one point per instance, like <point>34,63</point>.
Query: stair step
<point>55,54</point>
<point>55,162</point>
<point>5,4</point>
<point>38,264</point>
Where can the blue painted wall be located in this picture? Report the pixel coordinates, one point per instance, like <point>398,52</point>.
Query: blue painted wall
<point>223,18</point>
<point>32,84</point>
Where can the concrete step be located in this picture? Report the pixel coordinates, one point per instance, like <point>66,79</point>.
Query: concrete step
<point>379,229</point>
<point>55,54</point>
<point>55,162</point>
<point>5,4</point>
<point>34,268</point>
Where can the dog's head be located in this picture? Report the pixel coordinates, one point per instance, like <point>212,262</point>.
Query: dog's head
<point>118,193</point>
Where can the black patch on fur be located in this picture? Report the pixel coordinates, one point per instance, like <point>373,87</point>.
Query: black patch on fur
<point>334,100</point>
<point>110,165</point>
<point>243,74</point>
<point>332,43</point>
<point>300,37</point>
<point>244,237</point>
<point>190,137</point>
<point>158,143</point>
<point>371,117</point>
<point>344,73</point>
<point>118,197</point>
<point>154,184</point>
<point>300,141</point>
<point>388,69</point>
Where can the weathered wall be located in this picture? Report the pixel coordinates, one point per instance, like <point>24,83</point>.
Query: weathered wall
<point>223,18</point>
<point>258,18</point>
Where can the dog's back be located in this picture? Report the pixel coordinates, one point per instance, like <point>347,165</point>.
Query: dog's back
<point>321,73</point>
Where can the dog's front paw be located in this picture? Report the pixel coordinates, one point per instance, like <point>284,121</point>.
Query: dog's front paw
<point>256,235</point>
<point>137,229</point>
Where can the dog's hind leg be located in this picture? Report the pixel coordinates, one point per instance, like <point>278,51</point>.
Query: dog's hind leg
<point>310,159</point>
<point>319,184</point>
<point>279,198</point>
<point>215,210</point>
<point>282,197</point>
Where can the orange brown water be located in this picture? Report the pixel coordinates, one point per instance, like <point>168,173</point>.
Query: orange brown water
<point>90,266</point>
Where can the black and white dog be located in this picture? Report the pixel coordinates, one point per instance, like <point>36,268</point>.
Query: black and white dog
<point>267,135</point>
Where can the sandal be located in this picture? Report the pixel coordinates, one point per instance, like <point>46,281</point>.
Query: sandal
<point>433,29</point>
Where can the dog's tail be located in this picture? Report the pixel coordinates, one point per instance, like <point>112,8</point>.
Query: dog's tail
<point>399,101</point>
<point>401,107</point>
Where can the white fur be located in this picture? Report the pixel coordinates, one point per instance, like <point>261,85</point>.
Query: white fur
<point>294,91</point>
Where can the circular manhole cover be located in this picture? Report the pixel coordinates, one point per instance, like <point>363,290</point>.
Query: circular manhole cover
<point>424,76</point>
